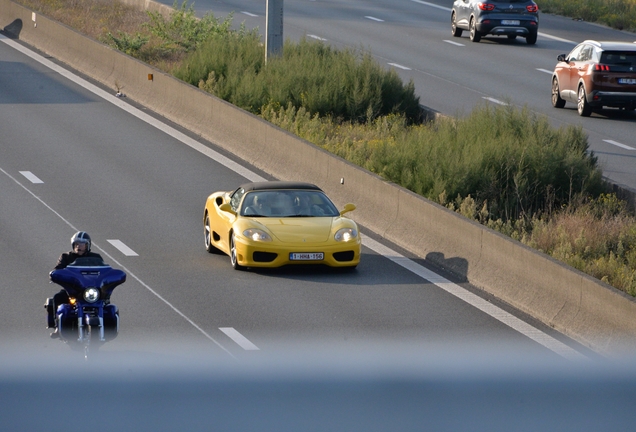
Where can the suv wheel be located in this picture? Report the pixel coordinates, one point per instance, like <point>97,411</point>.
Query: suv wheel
<point>557,101</point>
<point>475,36</point>
<point>457,32</point>
<point>583,107</point>
<point>531,39</point>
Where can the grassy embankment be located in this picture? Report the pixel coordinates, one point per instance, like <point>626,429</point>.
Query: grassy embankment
<point>504,167</point>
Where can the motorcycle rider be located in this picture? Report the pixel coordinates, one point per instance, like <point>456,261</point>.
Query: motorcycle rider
<point>80,247</point>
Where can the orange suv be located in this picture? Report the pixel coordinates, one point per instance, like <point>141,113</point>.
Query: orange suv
<point>596,75</point>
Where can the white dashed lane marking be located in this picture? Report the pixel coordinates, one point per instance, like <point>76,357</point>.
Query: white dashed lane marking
<point>123,248</point>
<point>399,66</point>
<point>317,37</point>
<point>239,338</point>
<point>617,144</point>
<point>31,177</point>
<point>497,101</point>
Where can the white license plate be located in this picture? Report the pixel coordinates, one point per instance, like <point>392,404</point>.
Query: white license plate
<point>627,80</point>
<point>509,22</point>
<point>315,256</point>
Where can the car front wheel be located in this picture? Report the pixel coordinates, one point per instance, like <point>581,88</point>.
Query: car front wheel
<point>233,254</point>
<point>207,233</point>
<point>475,36</point>
<point>557,101</point>
<point>583,107</point>
<point>457,32</point>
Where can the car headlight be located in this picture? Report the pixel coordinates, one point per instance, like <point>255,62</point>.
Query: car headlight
<point>346,234</point>
<point>91,295</point>
<point>257,235</point>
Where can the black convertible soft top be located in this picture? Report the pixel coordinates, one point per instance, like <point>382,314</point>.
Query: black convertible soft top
<point>278,185</point>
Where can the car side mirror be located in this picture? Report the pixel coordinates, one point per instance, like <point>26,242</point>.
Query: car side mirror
<point>347,208</point>
<point>561,57</point>
<point>226,207</point>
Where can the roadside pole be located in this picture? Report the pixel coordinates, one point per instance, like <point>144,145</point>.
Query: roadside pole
<point>274,29</point>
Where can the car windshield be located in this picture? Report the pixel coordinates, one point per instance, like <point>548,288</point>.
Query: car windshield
<point>287,203</point>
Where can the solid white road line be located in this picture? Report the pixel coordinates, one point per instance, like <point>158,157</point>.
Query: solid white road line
<point>453,43</point>
<point>476,301</point>
<point>123,248</point>
<point>249,14</point>
<point>239,338</point>
<point>31,177</point>
<point>617,144</point>
<point>317,37</point>
<point>245,172</point>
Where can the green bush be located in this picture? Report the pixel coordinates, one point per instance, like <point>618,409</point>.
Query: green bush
<point>322,80</point>
<point>183,30</point>
<point>126,43</point>
<point>511,163</point>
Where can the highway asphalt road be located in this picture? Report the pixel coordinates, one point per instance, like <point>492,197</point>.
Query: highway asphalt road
<point>75,157</point>
<point>453,75</point>
<point>390,346</point>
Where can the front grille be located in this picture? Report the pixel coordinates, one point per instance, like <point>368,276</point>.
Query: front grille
<point>264,256</point>
<point>344,256</point>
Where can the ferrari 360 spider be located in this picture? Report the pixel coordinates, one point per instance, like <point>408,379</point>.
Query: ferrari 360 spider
<point>271,224</point>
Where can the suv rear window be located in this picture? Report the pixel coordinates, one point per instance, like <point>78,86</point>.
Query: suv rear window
<point>619,58</point>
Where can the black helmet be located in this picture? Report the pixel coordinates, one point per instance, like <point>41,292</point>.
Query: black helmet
<point>81,237</point>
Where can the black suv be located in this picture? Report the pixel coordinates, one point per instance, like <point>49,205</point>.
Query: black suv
<point>511,18</point>
<point>596,74</point>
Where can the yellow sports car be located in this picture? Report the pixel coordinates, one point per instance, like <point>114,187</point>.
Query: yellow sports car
<point>271,224</point>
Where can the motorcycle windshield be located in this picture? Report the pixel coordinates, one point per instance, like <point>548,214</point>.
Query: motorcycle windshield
<point>88,272</point>
<point>88,262</point>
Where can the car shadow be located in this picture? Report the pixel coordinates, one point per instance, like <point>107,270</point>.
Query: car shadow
<point>373,270</point>
<point>615,114</point>
<point>503,40</point>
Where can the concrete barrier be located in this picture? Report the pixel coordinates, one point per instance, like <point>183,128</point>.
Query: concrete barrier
<point>589,311</point>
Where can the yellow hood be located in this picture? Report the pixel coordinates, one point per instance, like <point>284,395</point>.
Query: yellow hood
<point>299,229</point>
